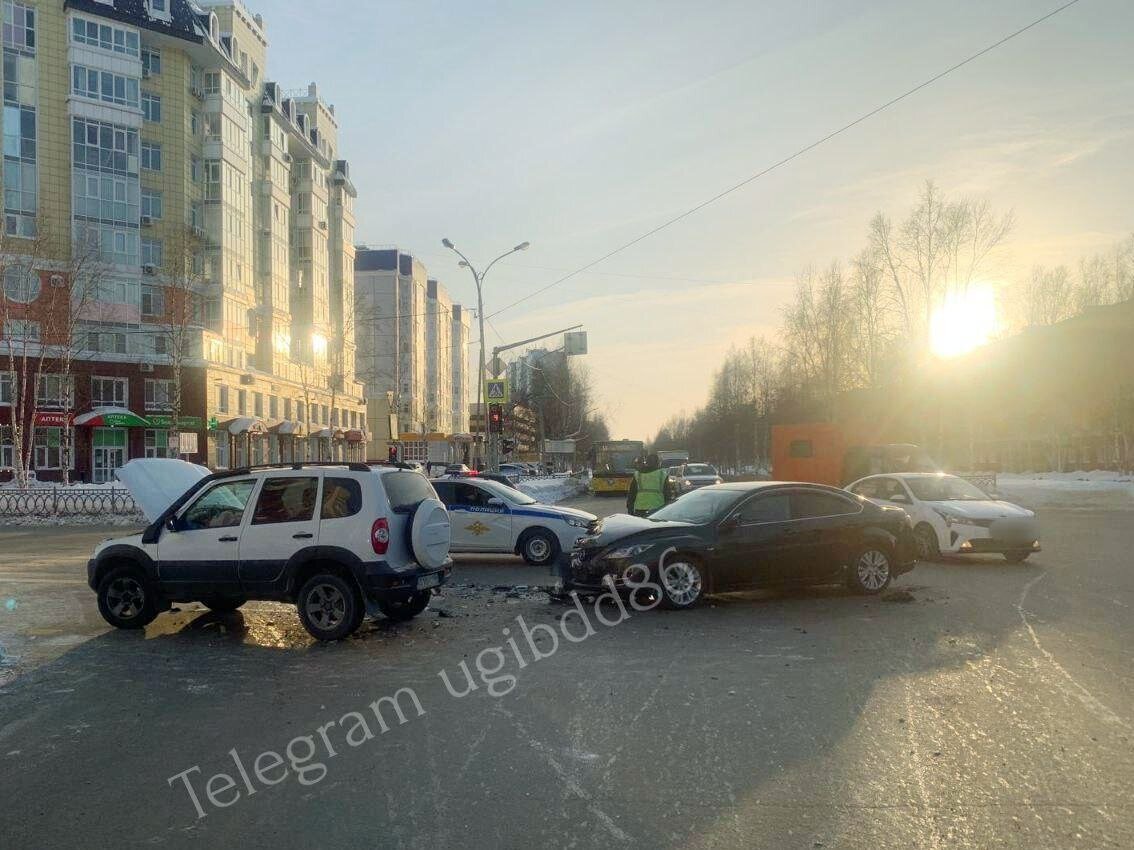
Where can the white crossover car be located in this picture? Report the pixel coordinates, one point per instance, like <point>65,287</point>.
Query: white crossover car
<point>955,516</point>
<point>487,516</point>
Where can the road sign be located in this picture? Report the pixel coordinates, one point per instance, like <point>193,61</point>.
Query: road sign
<point>186,443</point>
<point>496,390</point>
<point>496,366</point>
<point>575,343</point>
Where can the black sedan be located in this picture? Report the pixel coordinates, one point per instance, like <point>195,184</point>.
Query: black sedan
<point>748,535</point>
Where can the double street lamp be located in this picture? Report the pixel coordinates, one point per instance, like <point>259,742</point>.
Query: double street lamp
<point>479,278</point>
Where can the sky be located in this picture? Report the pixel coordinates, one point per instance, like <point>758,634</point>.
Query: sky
<point>580,126</point>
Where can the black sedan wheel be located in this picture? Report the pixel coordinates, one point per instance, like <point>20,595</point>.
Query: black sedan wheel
<point>682,583</point>
<point>870,570</point>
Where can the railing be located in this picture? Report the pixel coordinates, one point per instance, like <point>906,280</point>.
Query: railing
<point>67,501</point>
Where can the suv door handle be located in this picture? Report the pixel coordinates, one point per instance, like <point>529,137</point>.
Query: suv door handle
<point>228,539</point>
<point>303,535</point>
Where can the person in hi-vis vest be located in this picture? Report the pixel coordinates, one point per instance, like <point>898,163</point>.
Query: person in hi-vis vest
<point>647,490</point>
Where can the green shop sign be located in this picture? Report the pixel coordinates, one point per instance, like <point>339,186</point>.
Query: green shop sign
<point>185,423</point>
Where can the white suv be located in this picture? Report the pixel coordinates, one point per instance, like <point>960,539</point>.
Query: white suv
<point>334,539</point>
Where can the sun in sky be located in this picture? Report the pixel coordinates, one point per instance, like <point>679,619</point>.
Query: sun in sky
<point>965,320</point>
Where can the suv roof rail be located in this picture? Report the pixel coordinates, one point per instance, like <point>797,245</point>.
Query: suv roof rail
<point>353,465</point>
<point>395,464</point>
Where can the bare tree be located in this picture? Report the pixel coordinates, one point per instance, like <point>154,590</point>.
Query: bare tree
<point>1048,296</point>
<point>51,281</point>
<point>178,307</point>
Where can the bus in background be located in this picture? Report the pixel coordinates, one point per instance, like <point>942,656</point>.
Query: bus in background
<point>612,465</point>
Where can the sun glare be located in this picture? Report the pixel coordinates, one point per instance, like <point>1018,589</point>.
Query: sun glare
<point>963,322</point>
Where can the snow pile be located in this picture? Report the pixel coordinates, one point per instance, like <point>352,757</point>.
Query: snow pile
<point>1065,488</point>
<point>552,489</point>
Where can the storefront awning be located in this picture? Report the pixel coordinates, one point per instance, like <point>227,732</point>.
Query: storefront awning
<point>288,427</point>
<point>111,417</point>
<point>328,434</point>
<point>355,436</point>
<point>243,425</point>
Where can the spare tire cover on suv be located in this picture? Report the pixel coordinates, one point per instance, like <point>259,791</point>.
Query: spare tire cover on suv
<point>429,534</point>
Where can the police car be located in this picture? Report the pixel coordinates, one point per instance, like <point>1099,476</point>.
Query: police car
<point>486,516</point>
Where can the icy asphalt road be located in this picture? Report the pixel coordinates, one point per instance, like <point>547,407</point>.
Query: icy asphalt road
<point>995,709</point>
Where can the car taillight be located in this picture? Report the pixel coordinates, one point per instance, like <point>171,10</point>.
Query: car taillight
<point>380,535</point>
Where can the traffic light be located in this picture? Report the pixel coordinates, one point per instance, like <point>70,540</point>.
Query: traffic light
<point>495,419</point>
<point>507,445</point>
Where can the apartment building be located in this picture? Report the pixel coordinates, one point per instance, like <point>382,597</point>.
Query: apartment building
<point>459,367</point>
<point>439,367</point>
<point>221,216</point>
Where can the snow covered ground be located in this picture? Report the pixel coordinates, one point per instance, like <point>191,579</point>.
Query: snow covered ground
<point>553,489</point>
<point>1065,488</point>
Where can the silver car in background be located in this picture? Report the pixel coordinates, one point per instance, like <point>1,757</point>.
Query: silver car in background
<point>691,476</point>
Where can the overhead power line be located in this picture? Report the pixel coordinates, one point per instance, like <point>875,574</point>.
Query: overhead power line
<point>807,148</point>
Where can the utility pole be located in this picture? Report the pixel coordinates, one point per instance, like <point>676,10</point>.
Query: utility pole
<point>478,277</point>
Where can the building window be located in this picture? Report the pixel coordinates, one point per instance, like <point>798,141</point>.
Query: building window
<point>194,122</point>
<point>287,408</point>
<point>105,86</point>
<point>300,410</point>
<point>222,399</point>
<point>109,391</point>
<point>151,156</point>
<point>152,203</point>
<point>159,8</point>
<point>153,300</point>
<point>157,443</point>
<point>161,344</point>
<point>258,405</point>
<point>54,391</point>
<point>151,62</point>
<point>159,394</point>
<point>7,382</point>
<point>21,285</point>
<point>273,407</point>
<point>111,343</point>
<point>242,402</point>
<point>104,36</point>
<point>47,448</point>
<point>151,107</point>
<point>152,253</point>
<point>212,82</point>
<point>19,27</point>
<point>21,329</point>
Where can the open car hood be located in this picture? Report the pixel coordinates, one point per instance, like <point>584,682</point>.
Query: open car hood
<point>156,483</point>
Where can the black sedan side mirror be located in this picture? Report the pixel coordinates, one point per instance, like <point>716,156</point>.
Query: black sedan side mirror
<point>730,523</point>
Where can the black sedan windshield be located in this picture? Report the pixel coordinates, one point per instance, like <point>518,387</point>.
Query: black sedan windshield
<point>698,507</point>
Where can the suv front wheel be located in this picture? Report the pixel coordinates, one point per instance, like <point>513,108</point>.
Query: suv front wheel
<point>125,599</point>
<point>329,607</point>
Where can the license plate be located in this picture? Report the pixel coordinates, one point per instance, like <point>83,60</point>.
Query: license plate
<point>426,582</point>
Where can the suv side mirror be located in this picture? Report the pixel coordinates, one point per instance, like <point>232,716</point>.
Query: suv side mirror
<point>171,524</point>
<point>495,502</point>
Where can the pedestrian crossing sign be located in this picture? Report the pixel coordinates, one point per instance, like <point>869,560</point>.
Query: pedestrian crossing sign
<point>496,390</point>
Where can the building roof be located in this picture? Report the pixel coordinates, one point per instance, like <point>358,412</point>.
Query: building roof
<point>187,21</point>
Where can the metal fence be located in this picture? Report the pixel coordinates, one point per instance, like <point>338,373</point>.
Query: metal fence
<point>67,501</point>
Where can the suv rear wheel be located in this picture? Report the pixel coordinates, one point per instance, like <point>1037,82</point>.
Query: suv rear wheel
<point>125,599</point>
<point>329,607</point>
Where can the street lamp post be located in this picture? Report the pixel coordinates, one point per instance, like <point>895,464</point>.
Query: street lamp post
<point>479,278</point>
